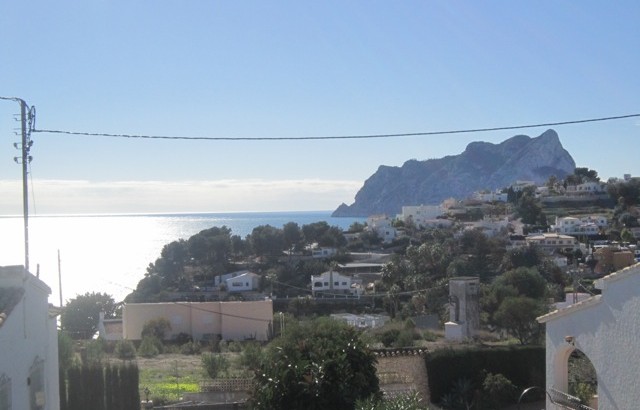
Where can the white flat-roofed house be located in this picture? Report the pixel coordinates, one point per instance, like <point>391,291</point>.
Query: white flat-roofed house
<point>587,188</point>
<point>362,321</point>
<point>222,279</point>
<point>333,283</point>
<point>419,214</point>
<point>322,253</point>
<point>590,225</point>
<point>521,185</point>
<point>244,282</point>
<point>28,343</point>
<point>553,242</point>
<point>495,196</point>
<point>382,225</point>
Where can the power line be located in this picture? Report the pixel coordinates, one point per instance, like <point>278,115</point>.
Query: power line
<point>339,137</point>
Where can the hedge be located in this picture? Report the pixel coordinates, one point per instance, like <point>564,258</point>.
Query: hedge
<point>524,366</point>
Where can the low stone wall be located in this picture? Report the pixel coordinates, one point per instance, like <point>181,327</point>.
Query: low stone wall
<point>402,371</point>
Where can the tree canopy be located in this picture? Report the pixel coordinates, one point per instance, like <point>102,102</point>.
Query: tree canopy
<point>80,316</point>
<point>321,364</point>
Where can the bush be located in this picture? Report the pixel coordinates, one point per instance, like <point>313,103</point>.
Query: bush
<point>497,391</point>
<point>214,364</point>
<point>125,350</point>
<point>190,348</point>
<point>409,401</point>
<point>429,336</point>
<point>234,347</point>
<point>148,347</point>
<point>523,365</point>
<point>66,354</point>
<point>388,337</point>
<point>156,327</point>
<point>94,352</point>
<point>405,338</point>
<point>251,355</point>
<point>320,364</point>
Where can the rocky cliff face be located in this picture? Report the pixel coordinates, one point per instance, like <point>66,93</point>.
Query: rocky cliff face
<point>481,166</point>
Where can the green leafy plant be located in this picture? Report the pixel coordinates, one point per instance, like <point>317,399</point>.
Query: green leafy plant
<point>214,364</point>
<point>125,350</point>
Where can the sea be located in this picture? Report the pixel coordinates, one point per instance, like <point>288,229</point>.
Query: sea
<point>110,253</point>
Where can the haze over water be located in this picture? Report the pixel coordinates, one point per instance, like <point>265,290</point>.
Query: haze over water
<point>110,253</point>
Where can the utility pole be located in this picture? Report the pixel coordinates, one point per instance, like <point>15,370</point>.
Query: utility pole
<point>27,120</point>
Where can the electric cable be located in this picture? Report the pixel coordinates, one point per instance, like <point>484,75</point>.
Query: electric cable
<point>338,137</point>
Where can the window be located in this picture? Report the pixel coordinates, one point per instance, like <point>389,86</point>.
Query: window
<point>344,283</point>
<point>5,392</point>
<point>326,284</point>
<point>317,284</point>
<point>336,283</point>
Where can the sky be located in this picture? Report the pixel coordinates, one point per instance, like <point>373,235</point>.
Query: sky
<point>241,69</point>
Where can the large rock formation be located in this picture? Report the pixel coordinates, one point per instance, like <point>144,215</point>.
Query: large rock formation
<point>481,166</point>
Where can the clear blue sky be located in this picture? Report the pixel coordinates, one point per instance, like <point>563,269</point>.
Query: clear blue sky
<point>291,69</point>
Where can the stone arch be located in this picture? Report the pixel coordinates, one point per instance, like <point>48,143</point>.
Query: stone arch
<point>561,367</point>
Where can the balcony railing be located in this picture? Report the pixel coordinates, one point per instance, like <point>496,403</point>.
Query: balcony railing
<point>566,401</point>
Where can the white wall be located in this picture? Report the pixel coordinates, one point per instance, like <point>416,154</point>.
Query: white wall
<point>606,329</point>
<point>28,335</point>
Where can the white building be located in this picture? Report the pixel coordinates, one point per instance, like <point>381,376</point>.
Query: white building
<point>553,242</point>
<point>587,188</point>
<point>419,214</point>
<point>490,227</point>
<point>222,279</point>
<point>521,185</point>
<point>588,225</point>
<point>362,321</point>
<point>28,343</point>
<point>495,196</point>
<point>322,253</point>
<point>333,283</point>
<point>605,328</point>
<point>382,226</point>
<point>244,282</point>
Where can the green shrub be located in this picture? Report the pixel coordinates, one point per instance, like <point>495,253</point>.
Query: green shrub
<point>234,347</point>
<point>388,337</point>
<point>251,355</point>
<point>190,348</point>
<point>214,364</point>
<point>429,336</point>
<point>156,327</point>
<point>66,355</point>
<point>125,350</point>
<point>148,347</point>
<point>409,401</point>
<point>497,391</point>
<point>523,365</point>
<point>405,338</point>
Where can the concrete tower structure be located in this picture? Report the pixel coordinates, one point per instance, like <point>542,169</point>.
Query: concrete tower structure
<point>464,308</point>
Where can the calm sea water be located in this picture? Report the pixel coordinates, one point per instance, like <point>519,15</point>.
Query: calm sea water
<point>111,253</point>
